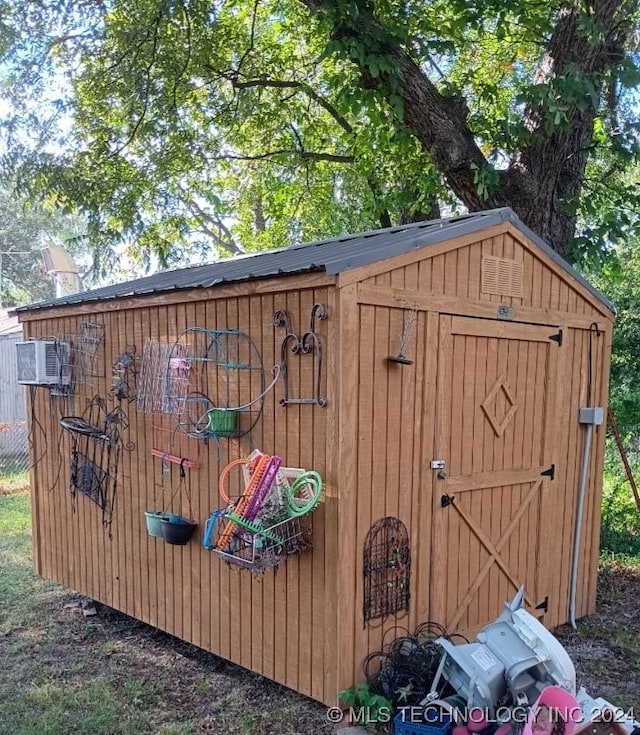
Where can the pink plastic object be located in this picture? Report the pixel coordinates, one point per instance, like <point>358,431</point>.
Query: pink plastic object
<point>460,730</point>
<point>505,729</point>
<point>477,721</point>
<point>558,700</point>
<point>260,495</point>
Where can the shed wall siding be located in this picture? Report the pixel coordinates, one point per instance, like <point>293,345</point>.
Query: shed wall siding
<point>276,624</point>
<point>399,402</point>
<point>456,274</point>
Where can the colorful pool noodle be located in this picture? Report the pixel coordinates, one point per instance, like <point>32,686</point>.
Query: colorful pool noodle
<point>260,495</point>
<point>242,504</point>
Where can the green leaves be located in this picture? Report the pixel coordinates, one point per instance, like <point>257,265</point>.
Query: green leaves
<point>192,127</point>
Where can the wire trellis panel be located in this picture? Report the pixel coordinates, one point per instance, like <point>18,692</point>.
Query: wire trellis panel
<point>85,366</point>
<point>164,377</point>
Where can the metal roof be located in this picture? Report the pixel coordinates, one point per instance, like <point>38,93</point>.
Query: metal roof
<point>329,256</point>
<point>9,324</point>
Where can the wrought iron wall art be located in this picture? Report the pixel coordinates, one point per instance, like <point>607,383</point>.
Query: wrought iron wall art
<point>97,444</point>
<point>387,567</point>
<point>308,343</point>
<point>124,372</point>
<point>409,324</point>
<point>77,357</point>
<point>225,383</point>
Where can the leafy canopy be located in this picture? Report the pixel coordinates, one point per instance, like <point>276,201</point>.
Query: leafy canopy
<point>179,126</point>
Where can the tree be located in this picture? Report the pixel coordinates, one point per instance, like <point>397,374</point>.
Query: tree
<point>23,231</point>
<point>252,124</point>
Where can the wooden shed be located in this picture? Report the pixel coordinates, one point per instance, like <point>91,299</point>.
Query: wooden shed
<point>434,378</point>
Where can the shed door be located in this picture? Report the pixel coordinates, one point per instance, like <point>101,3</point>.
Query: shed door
<point>496,390</point>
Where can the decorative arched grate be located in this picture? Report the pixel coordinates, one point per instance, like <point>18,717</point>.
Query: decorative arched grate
<point>387,567</point>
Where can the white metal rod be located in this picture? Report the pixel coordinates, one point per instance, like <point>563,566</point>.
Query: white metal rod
<point>584,473</point>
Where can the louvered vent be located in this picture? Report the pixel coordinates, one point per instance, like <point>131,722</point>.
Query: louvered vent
<point>51,362</point>
<point>502,276</point>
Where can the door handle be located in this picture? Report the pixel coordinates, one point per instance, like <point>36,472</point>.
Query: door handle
<point>442,475</point>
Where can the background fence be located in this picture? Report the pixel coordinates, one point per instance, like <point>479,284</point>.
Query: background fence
<point>14,449</point>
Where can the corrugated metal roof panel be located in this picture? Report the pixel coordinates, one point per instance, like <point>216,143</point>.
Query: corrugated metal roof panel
<point>331,256</point>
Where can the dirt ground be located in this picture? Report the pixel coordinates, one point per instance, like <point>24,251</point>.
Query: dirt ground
<point>207,694</point>
<point>606,647</point>
<point>605,650</point>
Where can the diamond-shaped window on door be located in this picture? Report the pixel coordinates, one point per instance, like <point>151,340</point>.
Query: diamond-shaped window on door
<point>490,406</point>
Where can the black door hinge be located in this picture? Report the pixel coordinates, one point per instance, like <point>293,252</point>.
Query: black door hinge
<point>446,500</point>
<point>557,338</point>
<point>544,605</point>
<point>550,473</point>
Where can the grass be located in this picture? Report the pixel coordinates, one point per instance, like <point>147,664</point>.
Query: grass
<point>63,674</point>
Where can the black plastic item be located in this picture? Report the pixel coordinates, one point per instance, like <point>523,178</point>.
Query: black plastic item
<point>177,530</point>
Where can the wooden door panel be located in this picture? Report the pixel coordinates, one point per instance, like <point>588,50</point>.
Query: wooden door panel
<point>494,412</point>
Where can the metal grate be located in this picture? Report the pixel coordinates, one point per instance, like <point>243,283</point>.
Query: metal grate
<point>502,276</point>
<point>387,566</point>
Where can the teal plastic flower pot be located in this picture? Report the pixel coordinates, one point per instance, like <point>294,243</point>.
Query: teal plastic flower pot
<point>153,519</point>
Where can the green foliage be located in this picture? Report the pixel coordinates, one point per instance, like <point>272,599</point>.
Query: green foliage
<point>24,228</point>
<point>376,710</point>
<point>619,280</point>
<point>620,529</point>
<point>195,129</point>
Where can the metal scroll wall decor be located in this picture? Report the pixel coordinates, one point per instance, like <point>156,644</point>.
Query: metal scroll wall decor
<point>96,448</point>
<point>387,567</point>
<point>308,343</point>
<point>123,379</point>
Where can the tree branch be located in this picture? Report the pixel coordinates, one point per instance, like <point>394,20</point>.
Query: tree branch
<point>304,155</point>
<point>439,122</point>
<point>300,86</point>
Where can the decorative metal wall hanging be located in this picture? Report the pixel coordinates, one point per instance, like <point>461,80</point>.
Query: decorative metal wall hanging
<point>97,444</point>
<point>409,324</point>
<point>123,380</point>
<point>387,567</point>
<point>225,383</point>
<point>164,377</point>
<point>77,356</point>
<point>307,343</point>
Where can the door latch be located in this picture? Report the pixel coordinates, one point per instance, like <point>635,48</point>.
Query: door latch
<point>438,464</point>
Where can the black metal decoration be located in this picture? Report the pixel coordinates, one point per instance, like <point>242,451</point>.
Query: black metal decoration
<point>123,382</point>
<point>387,567</point>
<point>95,454</point>
<point>307,343</point>
<point>409,324</point>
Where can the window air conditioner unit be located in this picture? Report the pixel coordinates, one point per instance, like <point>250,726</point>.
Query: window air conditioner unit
<point>43,362</point>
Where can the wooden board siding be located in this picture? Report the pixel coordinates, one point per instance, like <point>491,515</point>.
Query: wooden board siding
<point>276,624</point>
<point>452,281</point>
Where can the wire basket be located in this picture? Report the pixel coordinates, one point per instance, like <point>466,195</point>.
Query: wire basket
<point>164,378</point>
<point>252,547</point>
